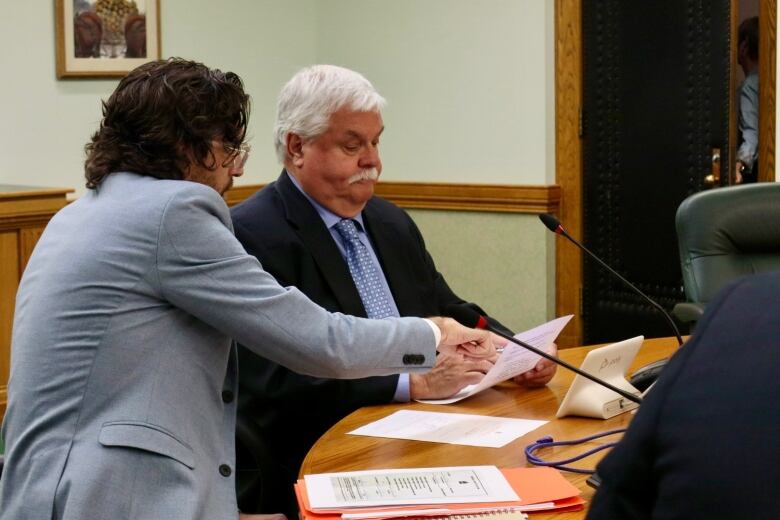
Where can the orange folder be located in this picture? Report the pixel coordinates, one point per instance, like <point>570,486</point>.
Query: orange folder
<point>539,489</point>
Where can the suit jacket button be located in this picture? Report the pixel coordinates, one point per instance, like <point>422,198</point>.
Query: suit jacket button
<point>413,359</point>
<point>227,396</point>
<point>225,470</point>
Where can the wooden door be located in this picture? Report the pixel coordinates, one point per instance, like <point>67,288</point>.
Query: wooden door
<point>657,100</point>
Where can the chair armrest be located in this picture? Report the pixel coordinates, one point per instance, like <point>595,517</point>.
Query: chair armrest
<point>688,312</point>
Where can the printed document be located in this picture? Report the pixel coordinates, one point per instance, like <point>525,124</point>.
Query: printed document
<point>399,487</point>
<point>514,360</point>
<point>449,428</point>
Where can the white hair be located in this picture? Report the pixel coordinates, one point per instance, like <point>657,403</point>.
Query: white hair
<point>307,101</point>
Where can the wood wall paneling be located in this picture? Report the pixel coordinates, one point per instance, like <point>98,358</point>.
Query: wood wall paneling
<point>497,198</point>
<point>767,57</point>
<point>568,163</point>
<point>24,213</point>
<point>9,281</point>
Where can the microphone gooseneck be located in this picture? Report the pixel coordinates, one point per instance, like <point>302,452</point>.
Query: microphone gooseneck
<point>554,225</point>
<point>468,317</point>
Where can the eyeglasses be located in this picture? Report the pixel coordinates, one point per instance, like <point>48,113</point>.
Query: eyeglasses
<point>238,156</point>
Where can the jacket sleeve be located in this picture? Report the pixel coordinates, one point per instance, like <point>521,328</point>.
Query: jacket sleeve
<point>203,270</point>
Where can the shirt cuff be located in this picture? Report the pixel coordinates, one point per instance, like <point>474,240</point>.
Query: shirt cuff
<point>402,391</point>
<point>436,331</point>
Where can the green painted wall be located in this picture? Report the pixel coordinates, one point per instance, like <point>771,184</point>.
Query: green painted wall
<point>469,85</point>
<point>470,96</point>
<point>498,260</point>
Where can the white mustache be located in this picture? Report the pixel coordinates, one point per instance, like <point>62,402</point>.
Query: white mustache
<point>369,174</point>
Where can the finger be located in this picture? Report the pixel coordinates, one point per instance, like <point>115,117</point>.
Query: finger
<point>482,366</point>
<point>498,341</point>
<point>538,376</point>
<point>472,378</point>
<point>543,364</point>
<point>541,371</point>
<point>477,350</point>
<point>453,333</point>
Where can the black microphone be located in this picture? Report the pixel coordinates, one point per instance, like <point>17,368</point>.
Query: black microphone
<point>554,225</point>
<point>468,317</point>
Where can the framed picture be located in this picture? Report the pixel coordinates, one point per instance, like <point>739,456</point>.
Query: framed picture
<point>105,38</point>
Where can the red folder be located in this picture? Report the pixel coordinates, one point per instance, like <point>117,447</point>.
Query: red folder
<point>539,489</point>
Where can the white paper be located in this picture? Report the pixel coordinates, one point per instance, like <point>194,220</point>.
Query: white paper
<point>449,428</point>
<point>515,359</point>
<point>399,487</point>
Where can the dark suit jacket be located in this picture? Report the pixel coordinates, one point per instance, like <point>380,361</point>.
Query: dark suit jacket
<point>704,443</point>
<point>289,411</point>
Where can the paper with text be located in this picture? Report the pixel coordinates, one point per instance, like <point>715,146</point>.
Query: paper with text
<point>449,428</point>
<point>515,359</point>
<point>399,487</point>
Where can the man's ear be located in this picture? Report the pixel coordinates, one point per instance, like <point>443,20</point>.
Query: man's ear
<point>295,149</point>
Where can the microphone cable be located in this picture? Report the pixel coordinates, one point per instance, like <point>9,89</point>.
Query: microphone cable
<point>563,464</point>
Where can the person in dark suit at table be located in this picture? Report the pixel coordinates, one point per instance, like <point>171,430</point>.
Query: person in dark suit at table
<point>320,228</point>
<point>703,444</point>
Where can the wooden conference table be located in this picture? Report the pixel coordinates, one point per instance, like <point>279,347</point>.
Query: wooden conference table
<point>337,451</point>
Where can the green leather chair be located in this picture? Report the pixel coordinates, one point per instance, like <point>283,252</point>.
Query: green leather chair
<point>724,234</point>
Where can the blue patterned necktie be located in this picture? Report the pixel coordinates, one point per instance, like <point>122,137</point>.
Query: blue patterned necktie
<point>364,272</point>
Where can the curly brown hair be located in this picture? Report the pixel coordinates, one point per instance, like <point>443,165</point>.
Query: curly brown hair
<point>163,115</point>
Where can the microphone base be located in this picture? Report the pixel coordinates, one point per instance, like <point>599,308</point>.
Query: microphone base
<point>592,404</point>
<point>610,363</point>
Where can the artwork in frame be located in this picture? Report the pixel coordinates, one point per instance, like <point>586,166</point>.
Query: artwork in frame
<point>105,38</point>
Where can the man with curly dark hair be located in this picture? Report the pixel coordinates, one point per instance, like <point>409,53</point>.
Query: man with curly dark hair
<point>122,396</point>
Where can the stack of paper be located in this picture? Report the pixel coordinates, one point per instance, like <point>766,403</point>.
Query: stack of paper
<point>434,492</point>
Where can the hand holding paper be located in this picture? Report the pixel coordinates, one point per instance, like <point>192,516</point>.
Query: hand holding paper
<point>515,360</point>
<point>450,373</point>
<point>455,338</point>
<point>541,374</point>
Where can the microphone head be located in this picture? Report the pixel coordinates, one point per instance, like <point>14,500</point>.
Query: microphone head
<point>552,223</point>
<point>466,316</point>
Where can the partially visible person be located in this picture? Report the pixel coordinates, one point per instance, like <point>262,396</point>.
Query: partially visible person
<point>135,36</point>
<point>703,444</point>
<point>320,228</point>
<point>122,395</point>
<point>87,34</point>
<point>747,105</point>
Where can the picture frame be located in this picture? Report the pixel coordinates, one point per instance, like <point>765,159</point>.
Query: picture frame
<point>105,38</point>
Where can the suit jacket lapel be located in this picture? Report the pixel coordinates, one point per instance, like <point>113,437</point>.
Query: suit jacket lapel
<point>318,241</point>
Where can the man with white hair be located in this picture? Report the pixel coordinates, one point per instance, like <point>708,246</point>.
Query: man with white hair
<point>320,228</point>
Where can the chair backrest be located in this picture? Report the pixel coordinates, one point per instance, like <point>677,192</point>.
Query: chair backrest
<point>727,233</point>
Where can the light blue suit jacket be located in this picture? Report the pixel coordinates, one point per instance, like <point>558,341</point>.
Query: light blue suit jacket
<point>123,376</point>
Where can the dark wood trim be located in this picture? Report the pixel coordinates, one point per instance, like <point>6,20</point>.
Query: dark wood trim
<point>18,201</point>
<point>496,198</point>
<point>500,198</point>
<point>24,213</point>
<point>238,194</point>
<point>568,163</point>
<point>767,88</point>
